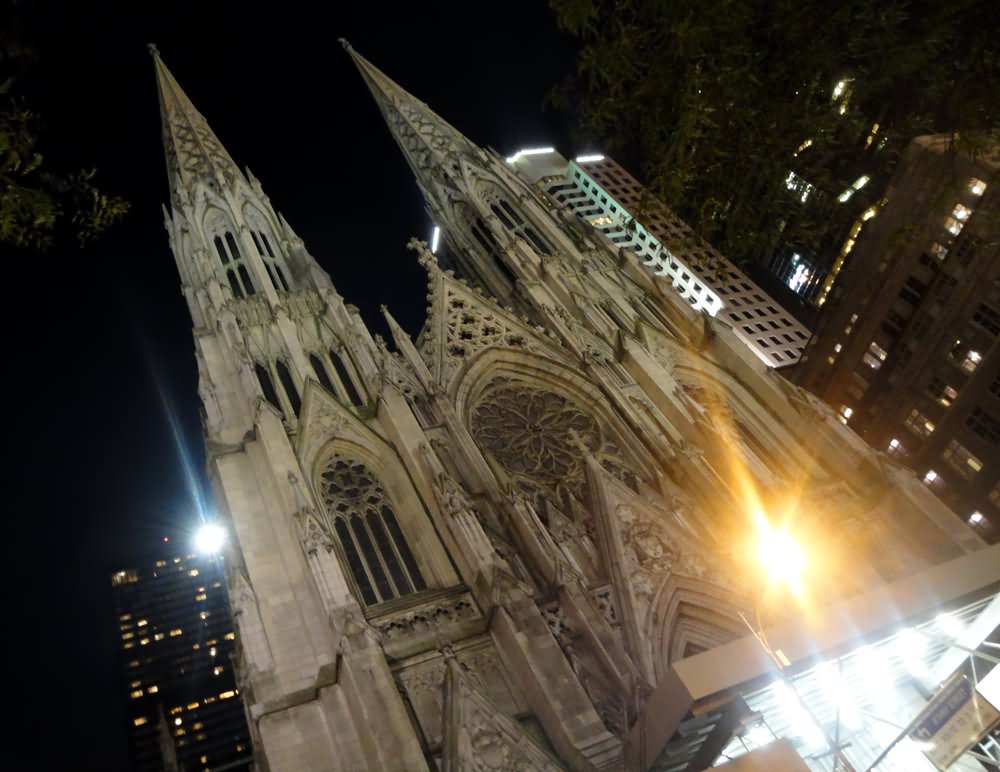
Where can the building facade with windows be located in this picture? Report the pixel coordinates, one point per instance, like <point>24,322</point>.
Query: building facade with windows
<point>488,547</point>
<point>907,349</point>
<point>177,646</point>
<point>600,192</point>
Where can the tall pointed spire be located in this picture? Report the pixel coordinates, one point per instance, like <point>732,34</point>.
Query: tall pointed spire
<point>194,153</point>
<point>424,137</point>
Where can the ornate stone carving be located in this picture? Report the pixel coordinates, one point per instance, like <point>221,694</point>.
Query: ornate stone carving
<point>540,437</point>
<point>427,618</point>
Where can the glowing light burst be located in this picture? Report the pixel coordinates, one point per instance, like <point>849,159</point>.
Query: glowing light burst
<point>780,555</point>
<point>210,539</point>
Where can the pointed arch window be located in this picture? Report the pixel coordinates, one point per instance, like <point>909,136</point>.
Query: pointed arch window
<point>271,263</point>
<point>376,552</point>
<point>516,224</point>
<point>232,261</point>
<point>344,376</point>
<point>321,374</point>
<point>288,384</point>
<point>482,234</point>
<point>259,226</point>
<point>267,385</point>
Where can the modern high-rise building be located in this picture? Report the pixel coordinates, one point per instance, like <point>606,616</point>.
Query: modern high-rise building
<point>506,543</point>
<point>907,349</point>
<point>600,192</point>
<point>176,651</point>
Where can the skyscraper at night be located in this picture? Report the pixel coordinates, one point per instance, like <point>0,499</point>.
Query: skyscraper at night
<point>510,542</point>
<point>177,645</point>
<point>603,194</point>
<point>907,350</point>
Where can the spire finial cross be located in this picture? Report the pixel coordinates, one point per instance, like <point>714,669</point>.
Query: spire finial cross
<point>153,50</point>
<point>345,44</point>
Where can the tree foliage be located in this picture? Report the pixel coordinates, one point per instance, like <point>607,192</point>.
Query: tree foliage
<point>722,99</point>
<point>39,202</point>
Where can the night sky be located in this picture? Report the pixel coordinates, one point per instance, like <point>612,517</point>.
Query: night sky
<point>102,348</point>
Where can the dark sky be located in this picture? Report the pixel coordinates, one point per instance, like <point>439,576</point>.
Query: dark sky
<point>102,339</point>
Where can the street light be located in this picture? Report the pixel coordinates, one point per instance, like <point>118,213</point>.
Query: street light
<point>784,561</point>
<point>210,538</point>
<point>780,555</point>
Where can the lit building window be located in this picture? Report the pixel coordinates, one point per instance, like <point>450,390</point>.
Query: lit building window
<point>845,413</point>
<point>178,721</point>
<point>938,251</point>
<point>203,615</point>
<point>128,645</point>
<point>838,90</point>
<point>217,670</point>
<point>193,572</point>
<point>161,563</point>
<point>204,759</point>
<point>125,617</point>
<point>961,212</point>
<point>126,636</point>
<point>142,623</point>
<point>977,187</point>
<point>201,596</point>
<point>942,393</point>
<point>158,637</point>
<point>135,684</point>
<point>837,348</point>
<point>153,689</point>
<point>227,695</point>
<point>895,448</point>
<point>140,721</point>
<point>961,460</point>
<point>976,518</point>
<point>230,636</point>
<point>192,705</point>
<point>212,651</point>
<point>919,424</point>
<point>175,632</point>
<point>144,641</point>
<point>175,711</point>
<point>136,694</point>
<point>177,560</point>
<point>930,477</point>
<point>953,226</point>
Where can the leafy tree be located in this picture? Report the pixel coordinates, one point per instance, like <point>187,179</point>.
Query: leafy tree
<point>722,99</point>
<point>38,202</point>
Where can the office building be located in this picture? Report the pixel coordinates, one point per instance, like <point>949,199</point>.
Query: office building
<point>176,650</point>
<point>907,351</point>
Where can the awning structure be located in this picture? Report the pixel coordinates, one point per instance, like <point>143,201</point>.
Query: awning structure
<point>860,673</point>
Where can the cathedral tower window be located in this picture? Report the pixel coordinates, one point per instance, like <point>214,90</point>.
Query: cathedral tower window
<point>517,226</point>
<point>259,226</point>
<point>267,385</point>
<point>344,376</point>
<point>288,384</point>
<point>320,369</point>
<point>380,561</point>
<point>236,272</point>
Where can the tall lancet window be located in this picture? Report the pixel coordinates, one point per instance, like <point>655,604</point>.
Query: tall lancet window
<point>267,385</point>
<point>219,229</point>
<point>346,380</point>
<point>259,230</point>
<point>516,224</point>
<point>380,561</point>
<point>288,384</point>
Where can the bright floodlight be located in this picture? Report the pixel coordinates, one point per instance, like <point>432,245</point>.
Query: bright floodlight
<point>780,555</point>
<point>209,538</point>
<point>435,237</point>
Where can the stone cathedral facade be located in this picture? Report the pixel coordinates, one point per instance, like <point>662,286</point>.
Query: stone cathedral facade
<point>484,548</point>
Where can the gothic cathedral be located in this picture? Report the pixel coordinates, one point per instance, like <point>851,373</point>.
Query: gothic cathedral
<point>485,548</point>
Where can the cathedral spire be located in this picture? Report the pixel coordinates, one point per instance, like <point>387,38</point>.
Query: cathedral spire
<point>194,153</point>
<point>424,137</point>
